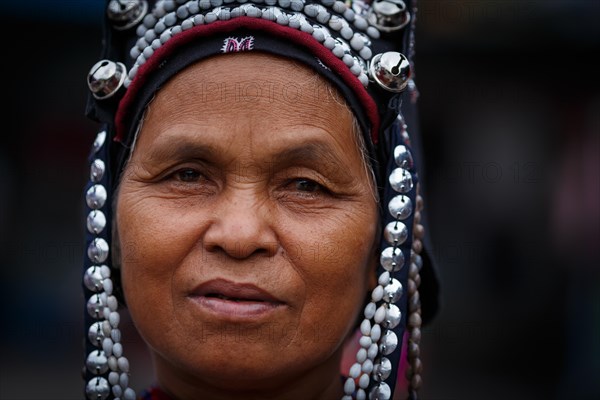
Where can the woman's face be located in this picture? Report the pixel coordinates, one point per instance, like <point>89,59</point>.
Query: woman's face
<point>247,224</point>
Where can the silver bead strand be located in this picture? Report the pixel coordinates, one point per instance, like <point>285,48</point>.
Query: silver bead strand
<point>102,306</point>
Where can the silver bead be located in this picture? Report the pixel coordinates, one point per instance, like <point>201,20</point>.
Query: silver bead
<point>124,380</point>
<point>97,389</point>
<point>389,342</point>
<point>98,250</point>
<point>384,278</point>
<point>113,378</point>
<point>355,370</point>
<point>376,332</point>
<point>403,157</point>
<point>96,221</point>
<point>392,318</point>
<point>381,392</point>
<point>349,386</point>
<point>96,196</point>
<point>389,15</point>
<point>382,369</point>
<point>106,78</point>
<point>123,364</point>
<point>97,170</point>
<point>125,14</point>
<point>367,366</point>
<point>107,347</point>
<point>117,392</point>
<point>392,259</point>
<point>361,355</point>
<point>92,278</point>
<point>391,70</point>
<point>129,394</point>
<point>401,180</point>
<point>363,381</point>
<point>96,362</point>
<point>393,291</point>
<point>96,334</point>
<point>361,394</point>
<point>117,350</point>
<point>370,310</point>
<point>395,233</point>
<point>372,352</point>
<point>400,207</point>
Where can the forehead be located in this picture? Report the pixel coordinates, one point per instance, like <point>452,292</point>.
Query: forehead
<point>251,77</point>
<point>252,96</point>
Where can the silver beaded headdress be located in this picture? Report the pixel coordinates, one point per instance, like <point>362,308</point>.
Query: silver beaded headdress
<point>366,49</point>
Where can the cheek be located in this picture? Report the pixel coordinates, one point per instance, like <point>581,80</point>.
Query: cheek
<point>154,240</point>
<point>336,265</point>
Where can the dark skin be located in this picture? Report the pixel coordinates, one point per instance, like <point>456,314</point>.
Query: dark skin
<point>267,190</point>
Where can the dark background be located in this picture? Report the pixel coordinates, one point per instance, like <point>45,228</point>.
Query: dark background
<point>510,115</point>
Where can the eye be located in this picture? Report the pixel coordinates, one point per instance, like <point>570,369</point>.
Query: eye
<point>306,185</point>
<point>187,175</point>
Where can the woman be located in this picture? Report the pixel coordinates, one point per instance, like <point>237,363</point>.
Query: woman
<point>256,184</point>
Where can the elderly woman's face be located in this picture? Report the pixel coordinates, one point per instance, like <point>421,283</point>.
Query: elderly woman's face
<point>247,224</point>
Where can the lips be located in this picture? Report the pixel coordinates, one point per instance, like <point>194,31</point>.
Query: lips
<point>232,300</point>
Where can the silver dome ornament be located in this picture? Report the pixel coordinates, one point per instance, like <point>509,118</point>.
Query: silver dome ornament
<point>97,389</point>
<point>98,250</point>
<point>389,15</point>
<point>392,317</point>
<point>382,369</point>
<point>392,259</point>
<point>391,70</point>
<point>96,334</point>
<point>97,170</point>
<point>106,78</point>
<point>395,233</point>
<point>125,14</point>
<point>97,363</point>
<point>92,278</point>
<point>400,207</point>
<point>381,392</point>
<point>403,157</point>
<point>401,180</point>
<point>96,221</point>
<point>95,196</point>
<point>389,342</point>
<point>393,291</point>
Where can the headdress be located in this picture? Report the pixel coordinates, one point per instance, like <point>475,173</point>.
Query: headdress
<point>365,49</point>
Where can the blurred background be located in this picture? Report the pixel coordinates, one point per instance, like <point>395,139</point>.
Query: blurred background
<point>510,118</point>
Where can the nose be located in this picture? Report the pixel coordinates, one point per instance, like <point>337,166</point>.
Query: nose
<point>241,228</point>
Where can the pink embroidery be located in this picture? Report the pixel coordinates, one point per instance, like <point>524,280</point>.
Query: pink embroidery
<point>234,44</point>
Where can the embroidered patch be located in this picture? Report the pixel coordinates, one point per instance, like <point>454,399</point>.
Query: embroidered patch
<point>234,44</point>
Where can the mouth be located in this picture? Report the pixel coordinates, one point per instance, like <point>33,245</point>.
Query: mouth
<point>232,301</point>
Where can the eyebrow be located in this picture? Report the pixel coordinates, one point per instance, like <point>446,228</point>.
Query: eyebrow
<point>306,154</point>
<point>182,150</point>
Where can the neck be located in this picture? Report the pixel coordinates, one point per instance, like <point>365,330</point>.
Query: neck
<point>320,383</point>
